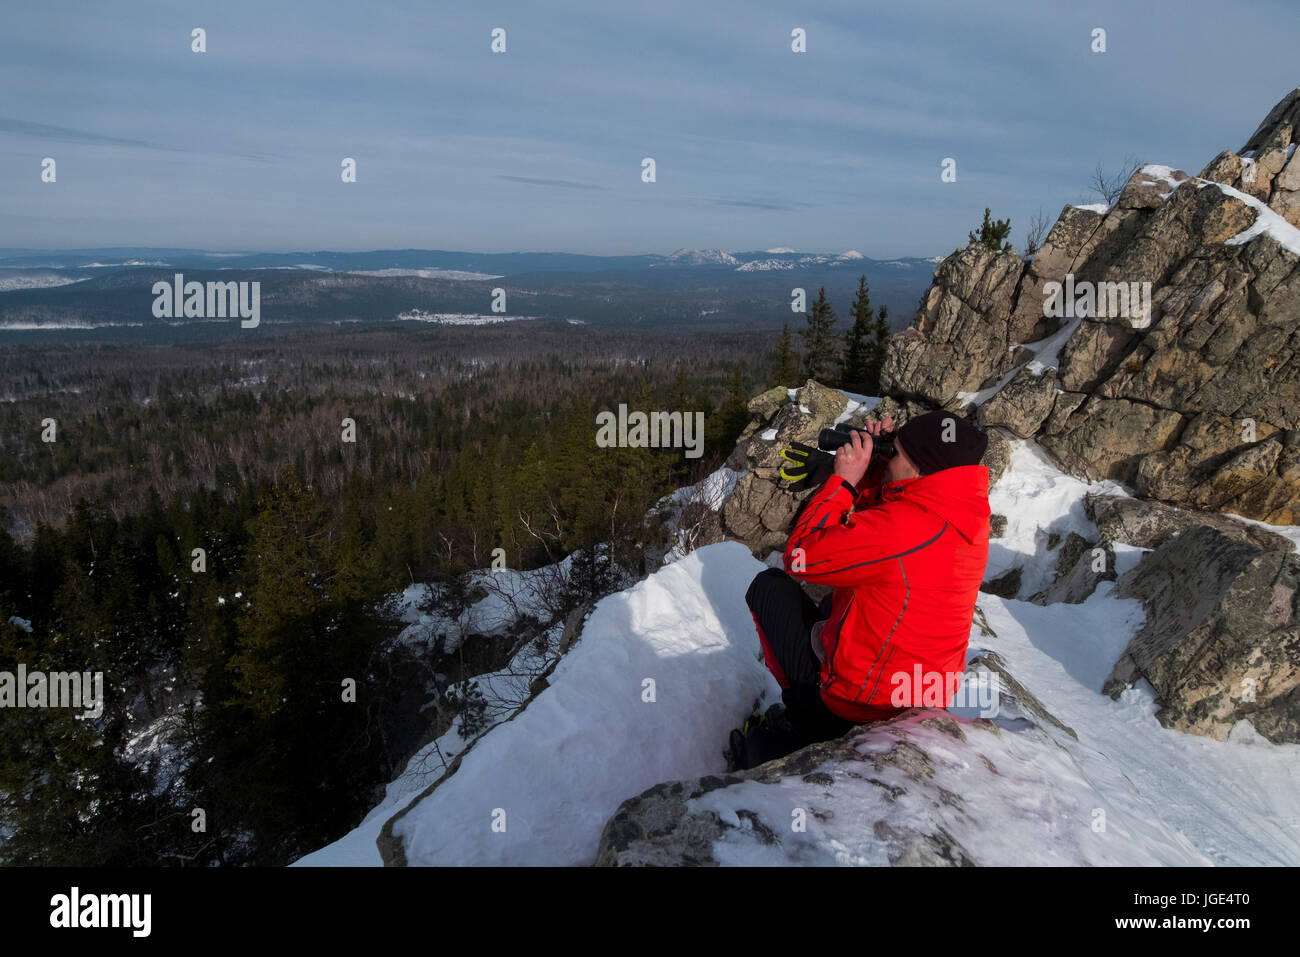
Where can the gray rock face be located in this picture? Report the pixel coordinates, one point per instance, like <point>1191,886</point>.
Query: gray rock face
<point>1193,401</point>
<point>1148,524</point>
<point>1023,404</point>
<point>964,334</point>
<point>1006,585</point>
<point>1108,438</point>
<point>1079,568</point>
<point>1082,564</point>
<point>1221,642</point>
<point>760,510</point>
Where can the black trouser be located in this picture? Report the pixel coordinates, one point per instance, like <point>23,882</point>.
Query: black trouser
<point>785,615</point>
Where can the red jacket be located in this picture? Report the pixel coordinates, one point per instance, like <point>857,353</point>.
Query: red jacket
<point>906,565</point>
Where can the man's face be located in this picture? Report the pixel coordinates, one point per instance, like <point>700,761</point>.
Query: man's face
<point>900,466</point>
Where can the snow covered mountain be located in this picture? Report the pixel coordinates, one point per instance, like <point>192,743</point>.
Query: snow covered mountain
<point>784,258</point>
<point>701,257</point>
<point>792,262</point>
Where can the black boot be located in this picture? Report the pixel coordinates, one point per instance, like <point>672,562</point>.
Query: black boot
<point>770,738</point>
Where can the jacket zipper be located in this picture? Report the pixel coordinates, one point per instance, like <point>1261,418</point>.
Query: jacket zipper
<point>830,665</point>
<point>907,594</point>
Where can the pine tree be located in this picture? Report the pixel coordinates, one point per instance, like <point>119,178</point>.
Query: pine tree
<point>992,233</point>
<point>295,598</point>
<point>859,352</point>
<point>879,349</point>
<point>821,358</point>
<point>536,535</point>
<point>733,414</point>
<point>787,360</point>
<point>680,393</point>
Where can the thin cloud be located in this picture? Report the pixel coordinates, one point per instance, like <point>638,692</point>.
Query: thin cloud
<point>562,183</point>
<point>67,134</point>
<point>758,204</point>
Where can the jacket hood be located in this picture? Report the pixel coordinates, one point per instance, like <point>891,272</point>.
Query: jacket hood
<point>958,495</point>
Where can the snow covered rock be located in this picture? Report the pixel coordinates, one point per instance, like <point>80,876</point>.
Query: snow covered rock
<point>760,510</point>
<point>1090,781</point>
<point>925,788</point>
<point>1081,565</point>
<point>1221,642</point>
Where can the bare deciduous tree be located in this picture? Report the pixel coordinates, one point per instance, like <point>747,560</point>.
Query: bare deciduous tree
<point>1110,185</point>
<point>1037,232</point>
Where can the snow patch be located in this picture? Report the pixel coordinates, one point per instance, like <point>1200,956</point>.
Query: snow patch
<point>457,318</point>
<point>1286,531</point>
<point>430,273</point>
<point>561,768</point>
<point>1046,354</point>
<point>37,281</point>
<point>856,404</point>
<point>1038,499</point>
<point>1160,174</point>
<point>1266,221</point>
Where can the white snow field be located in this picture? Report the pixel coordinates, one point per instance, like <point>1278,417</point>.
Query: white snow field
<point>556,772</point>
<point>592,739</point>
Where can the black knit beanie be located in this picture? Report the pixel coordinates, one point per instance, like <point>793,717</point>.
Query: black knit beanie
<point>941,440</point>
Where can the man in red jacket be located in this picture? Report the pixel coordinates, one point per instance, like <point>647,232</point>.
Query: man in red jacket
<point>905,549</point>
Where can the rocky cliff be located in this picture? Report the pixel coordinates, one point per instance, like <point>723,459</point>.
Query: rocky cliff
<point>1155,341</point>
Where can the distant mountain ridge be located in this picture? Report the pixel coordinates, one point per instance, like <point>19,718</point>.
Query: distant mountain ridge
<point>498,264</point>
<point>48,294</point>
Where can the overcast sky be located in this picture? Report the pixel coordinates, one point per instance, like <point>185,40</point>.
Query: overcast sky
<point>540,148</point>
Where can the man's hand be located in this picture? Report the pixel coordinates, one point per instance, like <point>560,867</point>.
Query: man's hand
<point>876,426</point>
<point>852,459</point>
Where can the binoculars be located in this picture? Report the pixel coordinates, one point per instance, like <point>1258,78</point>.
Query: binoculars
<point>882,447</point>
<point>816,464</point>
